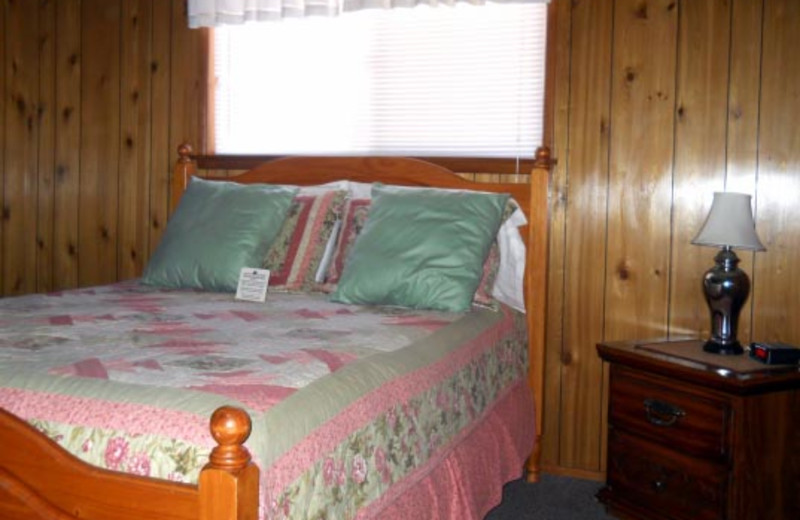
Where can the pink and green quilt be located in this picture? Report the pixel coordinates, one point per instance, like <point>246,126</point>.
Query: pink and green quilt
<point>355,409</point>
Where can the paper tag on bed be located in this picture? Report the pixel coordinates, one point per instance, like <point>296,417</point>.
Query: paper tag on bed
<point>252,284</point>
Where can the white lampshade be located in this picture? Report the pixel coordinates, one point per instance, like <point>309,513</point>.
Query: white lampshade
<point>730,223</point>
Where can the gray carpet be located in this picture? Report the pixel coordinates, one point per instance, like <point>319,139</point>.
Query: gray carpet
<point>553,498</point>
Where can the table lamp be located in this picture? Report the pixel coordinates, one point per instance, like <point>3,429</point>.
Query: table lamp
<point>729,226</point>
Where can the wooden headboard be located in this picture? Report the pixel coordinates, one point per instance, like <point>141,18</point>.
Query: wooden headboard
<point>531,194</point>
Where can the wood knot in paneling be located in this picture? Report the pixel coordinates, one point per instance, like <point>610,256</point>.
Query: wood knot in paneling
<point>129,141</point>
<point>155,223</point>
<point>6,212</point>
<point>630,74</point>
<point>133,254</point>
<point>566,358</point>
<point>104,234</point>
<point>641,11</point>
<point>61,172</point>
<point>623,270</point>
<point>66,113</point>
<point>153,66</point>
<point>22,107</point>
<point>603,126</point>
<point>73,59</point>
<point>71,249</point>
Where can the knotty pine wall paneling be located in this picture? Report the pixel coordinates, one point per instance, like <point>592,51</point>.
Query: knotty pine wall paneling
<point>190,63</point>
<point>641,150</point>
<point>699,151</point>
<point>560,29</point>
<point>162,154</point>
<point>66,196</point>
<point>777,272</point>
<point>98,220</point>
<point>587,161</point>
<point>21,151</point>
<point>46,147</point>
<point>95,97</point>
<point>135,113</point>
<point>3,212</point>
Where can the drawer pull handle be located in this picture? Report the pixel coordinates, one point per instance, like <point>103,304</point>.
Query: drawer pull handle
<point>661,413</point>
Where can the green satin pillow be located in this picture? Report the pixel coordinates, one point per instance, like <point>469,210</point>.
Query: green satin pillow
<point>422,248</point>
<point>218,228</point>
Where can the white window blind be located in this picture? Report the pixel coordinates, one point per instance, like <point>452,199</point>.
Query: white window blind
<point>450,81</point>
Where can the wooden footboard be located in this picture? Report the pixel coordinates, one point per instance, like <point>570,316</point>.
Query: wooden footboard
<point>39,480</point>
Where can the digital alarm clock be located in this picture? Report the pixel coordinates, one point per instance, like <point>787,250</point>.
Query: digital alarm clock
<point>775,353</point>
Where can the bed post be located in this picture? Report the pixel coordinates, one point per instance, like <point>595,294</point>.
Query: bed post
<point>184,168</point>
<point>229,482</point>
<point>537,295</point>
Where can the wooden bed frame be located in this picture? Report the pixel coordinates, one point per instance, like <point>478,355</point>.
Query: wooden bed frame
<point>40,480</point>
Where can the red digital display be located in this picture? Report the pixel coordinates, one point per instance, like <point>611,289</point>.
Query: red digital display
<point>761,353</point>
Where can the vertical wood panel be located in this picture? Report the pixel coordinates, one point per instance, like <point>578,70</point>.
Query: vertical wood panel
<point>67,145</point>
<point>21,152</point>
<point>777,275</point>
<point>3,35</point>
<point>587,156</point>
<point>47,135</point>
<point>643,86</point>
<point>700,143</point>
<point>188,84</point>
<point>162,155</point>
<point>135,118</point>
<point>561,34</point>
<point>100,127</point>
<point>743,94</point>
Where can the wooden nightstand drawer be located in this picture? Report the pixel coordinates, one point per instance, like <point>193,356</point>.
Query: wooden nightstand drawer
<point>694,435</point>
<point>663,412</point>
<point>669,484</point>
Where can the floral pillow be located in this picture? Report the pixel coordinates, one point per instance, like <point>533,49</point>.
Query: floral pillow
<point>354,216</point>
<point>297,254</point>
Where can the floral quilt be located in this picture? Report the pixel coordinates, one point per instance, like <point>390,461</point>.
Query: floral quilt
<point>347,402</point>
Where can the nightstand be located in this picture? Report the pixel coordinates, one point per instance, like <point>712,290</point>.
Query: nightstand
<point>696,436</point>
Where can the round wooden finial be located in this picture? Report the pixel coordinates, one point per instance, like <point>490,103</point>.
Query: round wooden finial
<point>184,152</point>
<point>542,158</point>
<point>230,427</point>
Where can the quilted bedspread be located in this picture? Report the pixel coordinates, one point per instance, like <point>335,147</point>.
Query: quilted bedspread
<point>348,402</point>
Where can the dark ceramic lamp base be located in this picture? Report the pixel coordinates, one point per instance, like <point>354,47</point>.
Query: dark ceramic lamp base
<point>726,288</point>
<point>726,349</point>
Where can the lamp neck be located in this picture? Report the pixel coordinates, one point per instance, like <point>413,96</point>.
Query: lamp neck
<point>727,259</point>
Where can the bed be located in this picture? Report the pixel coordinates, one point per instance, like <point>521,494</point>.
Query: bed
<point>262,459</point>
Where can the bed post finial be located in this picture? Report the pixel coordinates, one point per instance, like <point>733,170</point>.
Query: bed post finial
<point>228,484</point>
<point>230,427</point>
<point>543,159</point>
<point>185,152</point>
<point>184,168</point>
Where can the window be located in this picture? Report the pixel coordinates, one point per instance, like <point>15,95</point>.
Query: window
<point>450,81</point>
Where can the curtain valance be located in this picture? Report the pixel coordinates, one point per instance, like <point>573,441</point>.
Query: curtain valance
<point>213,13</point>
